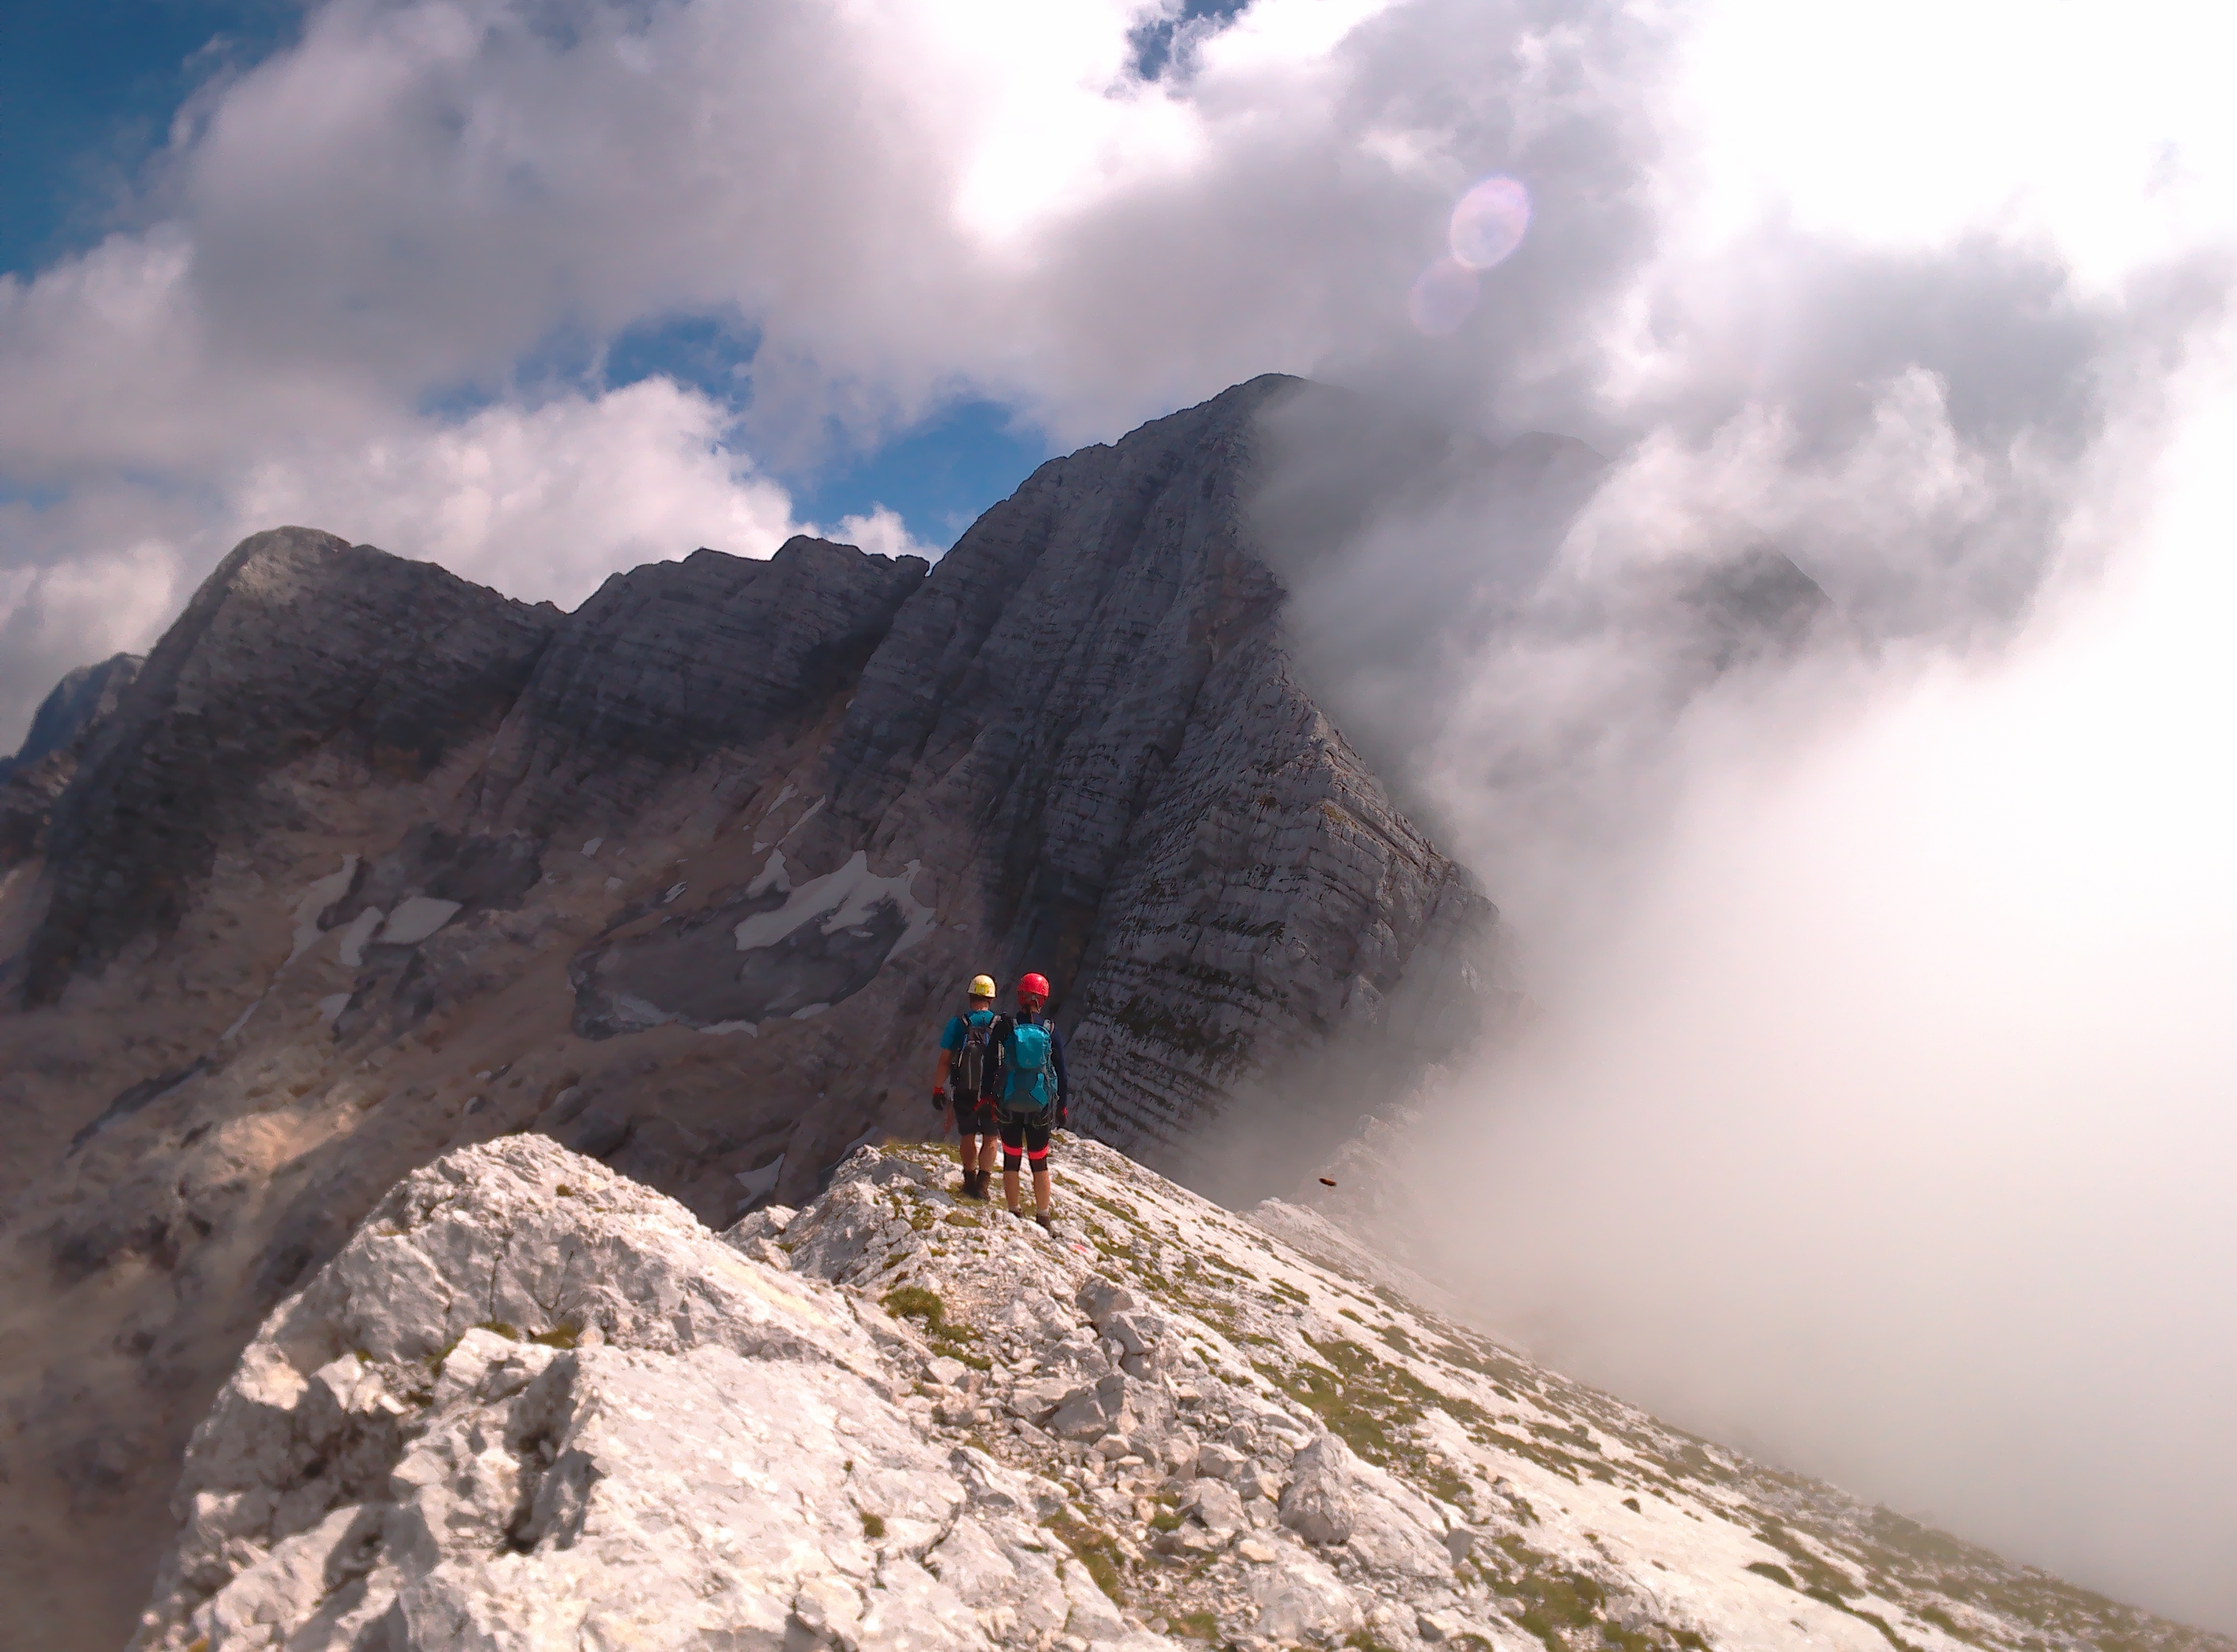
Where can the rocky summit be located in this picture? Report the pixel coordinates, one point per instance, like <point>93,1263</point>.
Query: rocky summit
<point>531,1404</point>
<point>366,863</point>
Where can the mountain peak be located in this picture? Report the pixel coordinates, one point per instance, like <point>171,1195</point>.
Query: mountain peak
<point>372,863</point>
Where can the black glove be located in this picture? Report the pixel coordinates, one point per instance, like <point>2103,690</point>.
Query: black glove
<point>940,1100</point>
<point>1063,1113</point>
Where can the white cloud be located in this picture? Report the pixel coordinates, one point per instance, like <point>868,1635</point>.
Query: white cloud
<point>904,198</point>
<point>1885,1125</point>
<point>882,533</point>
<point>74,611</point>
<point>2100,125</point>
<point>541,502</point>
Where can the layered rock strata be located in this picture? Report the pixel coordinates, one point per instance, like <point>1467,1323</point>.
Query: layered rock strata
<point>531,1404</point>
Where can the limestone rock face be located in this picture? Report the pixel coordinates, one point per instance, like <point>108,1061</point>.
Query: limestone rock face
<point>531,1404</point>
<point>1080,744</point>
<point>669,664</point>
<point>369,863</point>
<point>1090,706</point>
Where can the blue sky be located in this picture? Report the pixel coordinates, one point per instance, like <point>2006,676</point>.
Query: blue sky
<point>88,92</point>
<point>88,89</point>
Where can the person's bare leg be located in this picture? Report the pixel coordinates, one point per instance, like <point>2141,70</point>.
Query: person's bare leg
<point>990,1148</point>
<point>1010,1187</point>
<point>1041,1189</point>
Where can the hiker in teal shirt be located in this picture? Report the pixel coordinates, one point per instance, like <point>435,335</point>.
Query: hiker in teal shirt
<point>1034,1100</point>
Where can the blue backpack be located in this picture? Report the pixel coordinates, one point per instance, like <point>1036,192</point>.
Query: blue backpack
<point>1027,1061</point>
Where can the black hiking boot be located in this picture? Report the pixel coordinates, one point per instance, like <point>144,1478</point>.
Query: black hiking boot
<point>1047,1224</point>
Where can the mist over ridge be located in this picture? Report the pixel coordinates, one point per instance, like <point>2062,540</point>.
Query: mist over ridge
<point>1877,1110</point>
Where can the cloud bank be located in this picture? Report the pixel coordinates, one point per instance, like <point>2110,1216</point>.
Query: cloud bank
<point>1886,1127</point>
<point>1878,1107</point>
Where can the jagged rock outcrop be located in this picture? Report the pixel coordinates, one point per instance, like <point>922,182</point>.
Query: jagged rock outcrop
<point>533,1405</point>
<point>370,863</point>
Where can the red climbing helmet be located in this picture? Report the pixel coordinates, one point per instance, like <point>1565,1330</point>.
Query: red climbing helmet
<point>1032,987</point>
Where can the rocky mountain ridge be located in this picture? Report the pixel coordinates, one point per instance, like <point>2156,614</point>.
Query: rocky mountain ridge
<point>370,863</point>
<point>531,1404</point>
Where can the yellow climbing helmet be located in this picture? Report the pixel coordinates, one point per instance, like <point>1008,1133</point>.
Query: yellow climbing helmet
<point>982,986</point>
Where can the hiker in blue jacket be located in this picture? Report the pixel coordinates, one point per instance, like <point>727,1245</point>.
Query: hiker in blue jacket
<point>967,1066</point>
<point>1034,1099</point>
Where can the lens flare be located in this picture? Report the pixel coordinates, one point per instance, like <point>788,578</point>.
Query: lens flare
<point>1490,223</point>
<point>1443,297</point>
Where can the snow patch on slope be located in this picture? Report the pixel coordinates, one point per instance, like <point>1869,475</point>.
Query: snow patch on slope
<point>836,901</point>
<point>316,899</point>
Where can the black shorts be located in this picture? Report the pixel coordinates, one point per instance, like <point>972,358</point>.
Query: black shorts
<point>975,1118</point>
<point>1028,1136</point>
